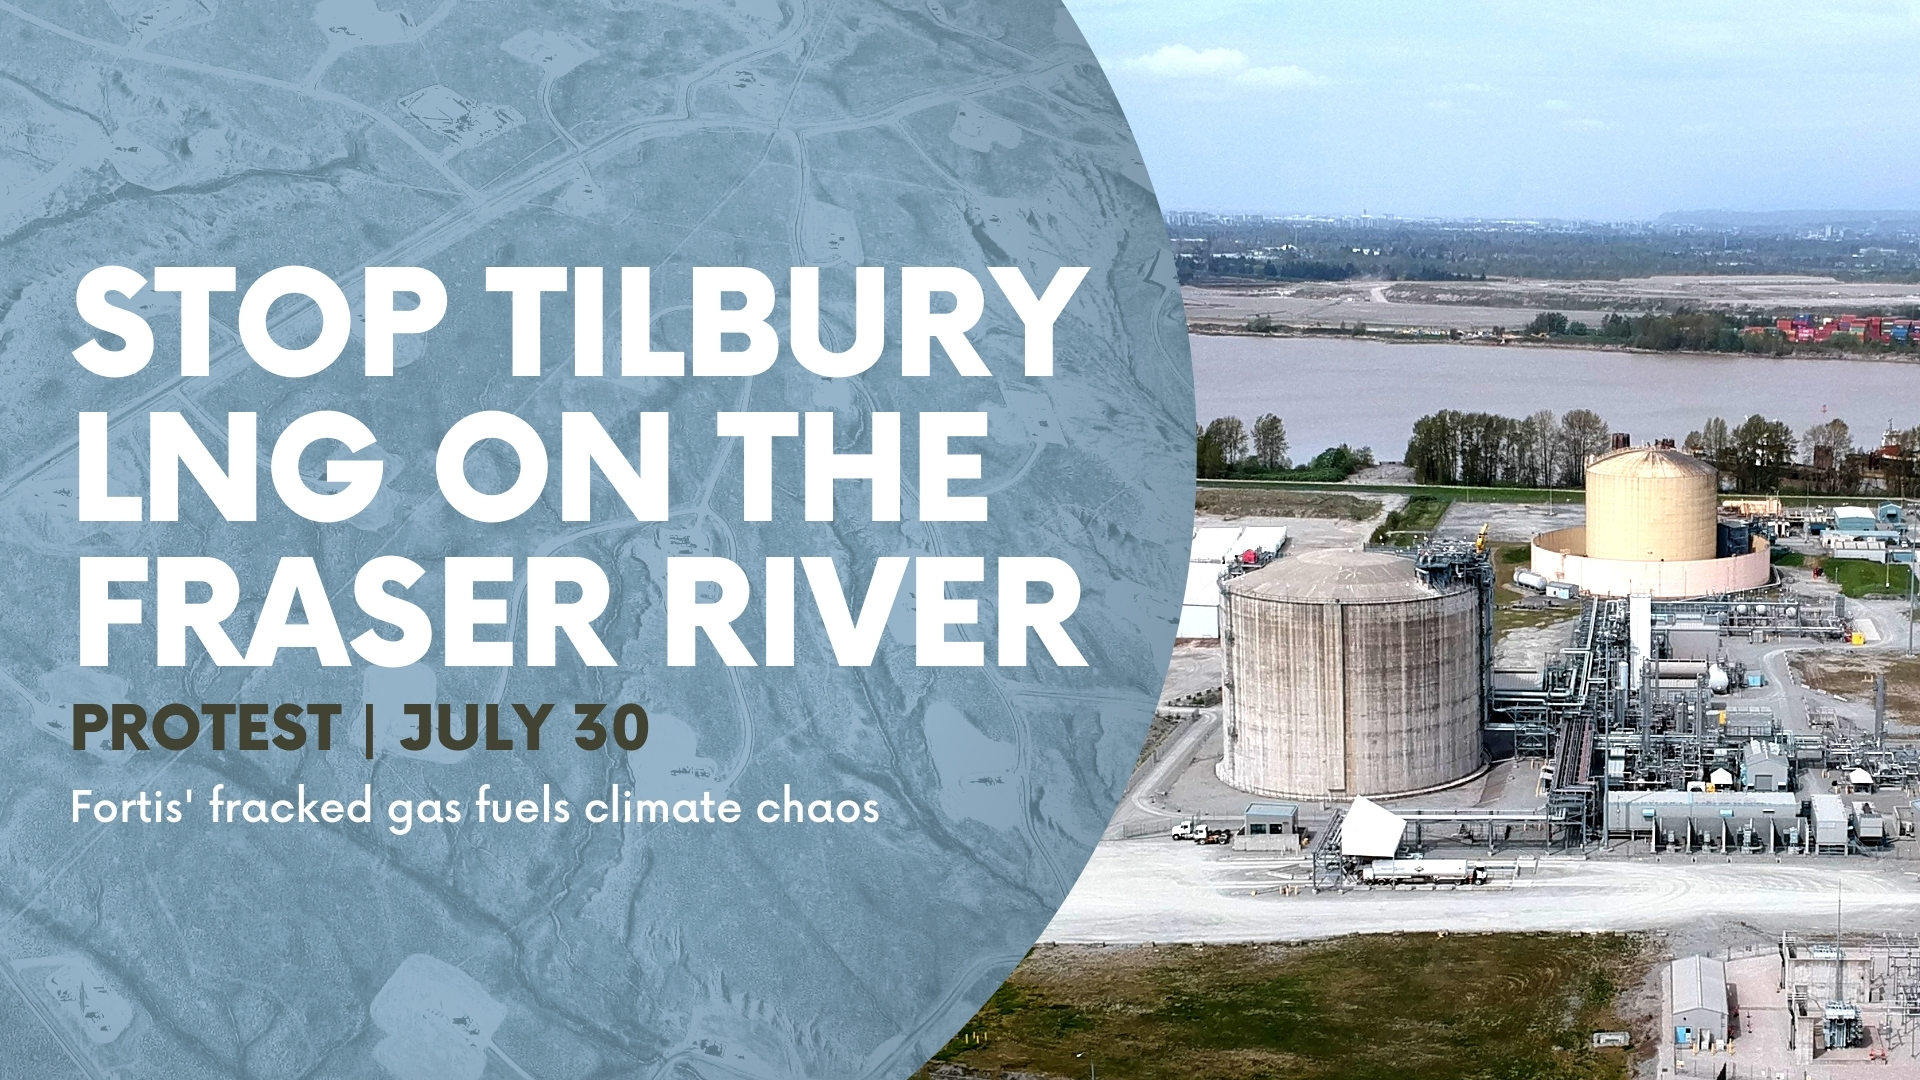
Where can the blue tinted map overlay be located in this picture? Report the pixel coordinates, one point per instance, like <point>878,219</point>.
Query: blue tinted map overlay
<point>673,134</point>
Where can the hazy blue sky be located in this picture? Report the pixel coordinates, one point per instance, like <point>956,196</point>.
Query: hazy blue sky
<point>1601,109</point>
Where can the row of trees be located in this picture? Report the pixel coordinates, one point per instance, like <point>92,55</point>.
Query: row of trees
<point>1684,331</point>
<point>1487,450</point>
<point>1232,442</point>
<point>1227,446</point>
<point>1681,331</point>
<point>1192,266</point>
<point>1755,454</point>
<point>1835,440</point>
<point>1758,452</point>
<point>1479,449</point>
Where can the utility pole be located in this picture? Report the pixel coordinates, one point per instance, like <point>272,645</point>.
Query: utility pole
<point>1839,965</point>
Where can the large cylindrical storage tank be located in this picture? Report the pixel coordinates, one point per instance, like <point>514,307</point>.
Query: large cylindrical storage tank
<point>1347,675</point>
<point>1650,504</point>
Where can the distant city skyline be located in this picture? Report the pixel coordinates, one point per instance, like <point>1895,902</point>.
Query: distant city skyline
<point>1511,109</point>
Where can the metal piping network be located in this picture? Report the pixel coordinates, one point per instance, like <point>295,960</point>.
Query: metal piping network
<point>1587,715</point>
<point>1441,563</point>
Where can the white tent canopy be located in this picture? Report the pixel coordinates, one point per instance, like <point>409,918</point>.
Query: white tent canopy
<point>1219,543</point>
<point>1371,831</point>
<point>1213,548</point>
<point>1200,608</point>
<point>1203,584</point>
<point>1213,544</point>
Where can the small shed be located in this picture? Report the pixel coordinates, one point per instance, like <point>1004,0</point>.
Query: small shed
<point>1272,818</point>
<point>1270,826</point>
<point>1699,1002</point>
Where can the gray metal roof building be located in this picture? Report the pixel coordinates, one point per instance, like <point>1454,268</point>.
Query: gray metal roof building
<point>1763,770</point>
<point>1272,817</point>
<point>1830,821</point>
<point>1699,1001</point>
<point>1711,818</point>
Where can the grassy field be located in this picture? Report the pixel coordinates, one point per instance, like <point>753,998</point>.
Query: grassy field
<point>1356,1008</point>
<point>1420,515</point>
<point>1849,676</point>
<point>1858,578</point>
<point>1509,559</point>
<point>1281,502</point>
<point>1507,618</point>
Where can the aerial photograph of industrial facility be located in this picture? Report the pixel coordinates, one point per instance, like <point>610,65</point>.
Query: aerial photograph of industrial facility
<point>1545,700</point>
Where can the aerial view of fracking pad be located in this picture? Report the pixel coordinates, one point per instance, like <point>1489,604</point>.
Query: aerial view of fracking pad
<point>344,134</point>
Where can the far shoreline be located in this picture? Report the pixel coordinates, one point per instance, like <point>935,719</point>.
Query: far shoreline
<point>1413,336</point>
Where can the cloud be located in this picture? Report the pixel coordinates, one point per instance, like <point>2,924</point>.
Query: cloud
<point>1187,62</point>
<point>1555,105</point>
<point>1283,77</point>
<point>1589,123</point>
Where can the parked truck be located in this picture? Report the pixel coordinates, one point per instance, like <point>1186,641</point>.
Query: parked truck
<point>1202,832</point>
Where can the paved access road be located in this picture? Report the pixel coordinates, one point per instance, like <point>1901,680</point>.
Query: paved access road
<point>1158,890</point>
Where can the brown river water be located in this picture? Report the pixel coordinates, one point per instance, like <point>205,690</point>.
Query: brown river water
<point>1369,393</point>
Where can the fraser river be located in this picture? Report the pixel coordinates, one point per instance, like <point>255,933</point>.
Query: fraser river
<point>1369,393</point>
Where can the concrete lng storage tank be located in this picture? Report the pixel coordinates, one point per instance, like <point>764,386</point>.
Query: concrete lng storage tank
<point>1347,675</point>
<point>1652,516</point>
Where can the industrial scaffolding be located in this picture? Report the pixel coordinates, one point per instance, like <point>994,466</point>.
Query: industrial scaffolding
<point>1610,715</point>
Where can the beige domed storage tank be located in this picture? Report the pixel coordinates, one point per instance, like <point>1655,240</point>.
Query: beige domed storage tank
<point>1347,675</point>
<point>1651,504</point>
